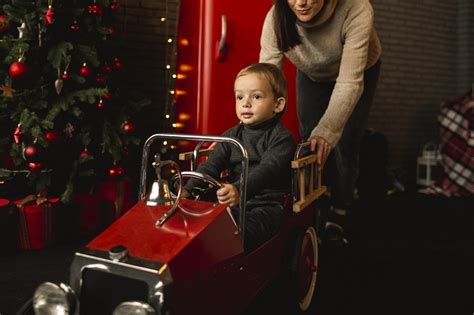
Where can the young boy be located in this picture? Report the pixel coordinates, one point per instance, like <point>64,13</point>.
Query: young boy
<point>260,100</point>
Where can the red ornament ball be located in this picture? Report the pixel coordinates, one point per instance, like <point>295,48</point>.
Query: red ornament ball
<point>115,171</point>
<point>107,68</point>
<point>51,136</point>
<point>95,9</point>
<point>18,70</point>
<point>117,64</point>
<point>75,26</point>
<point>84,70</point>
<point>107,96</point>
<point>32,152</point>
<point>35,166</point>
<point>128,127</point>
<point>113,5</point>
<point>100,105</point>
<point>3,23</point>
<point>65,75</point>
<point>100,79</point>
<point>84,154</point>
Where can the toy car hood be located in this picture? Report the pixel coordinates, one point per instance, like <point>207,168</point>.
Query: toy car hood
<point>198,236</point>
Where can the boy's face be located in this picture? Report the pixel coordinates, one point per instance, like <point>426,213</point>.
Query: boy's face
<point>254,99</point>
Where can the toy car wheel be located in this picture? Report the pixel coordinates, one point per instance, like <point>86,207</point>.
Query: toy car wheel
<point>27,308</point>
<point>304,268</point>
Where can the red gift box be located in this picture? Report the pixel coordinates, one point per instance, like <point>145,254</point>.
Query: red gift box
<point>36,221</point>
<point>118,194</point>
<point>91,209</point>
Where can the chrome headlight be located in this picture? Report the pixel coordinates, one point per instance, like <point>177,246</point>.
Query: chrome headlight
<point>134,307</point>
<point>53,299</point>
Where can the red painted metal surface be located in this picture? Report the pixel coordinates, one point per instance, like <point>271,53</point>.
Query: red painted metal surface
<point>229,286</point>
<point>211,273</point>
<point>205,82</point>
<point>186,241</point>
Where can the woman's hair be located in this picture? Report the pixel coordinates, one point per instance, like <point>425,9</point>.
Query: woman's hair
<point>285,26</point>
<point>272,73</point>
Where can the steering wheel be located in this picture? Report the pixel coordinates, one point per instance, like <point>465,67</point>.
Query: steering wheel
<point>198,191</point>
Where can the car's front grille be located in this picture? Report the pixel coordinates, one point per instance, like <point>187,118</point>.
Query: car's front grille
<point>102,291</point>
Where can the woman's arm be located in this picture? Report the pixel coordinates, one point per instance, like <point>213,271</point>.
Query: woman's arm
<point>357,30</point>
<point>269,51</point>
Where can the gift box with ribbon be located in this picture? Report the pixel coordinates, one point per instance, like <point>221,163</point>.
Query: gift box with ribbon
<point>36,216</point>
<point>92,208</point>
<point>118,194</point>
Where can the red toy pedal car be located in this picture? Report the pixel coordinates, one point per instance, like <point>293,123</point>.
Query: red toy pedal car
<point>168,255</point>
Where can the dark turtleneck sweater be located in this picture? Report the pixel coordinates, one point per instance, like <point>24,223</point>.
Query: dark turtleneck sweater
<point>270,147</point>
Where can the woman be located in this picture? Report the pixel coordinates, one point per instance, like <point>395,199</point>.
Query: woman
<point>334,46</point>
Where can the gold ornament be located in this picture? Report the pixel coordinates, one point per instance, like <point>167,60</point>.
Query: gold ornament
<point>7,90</point>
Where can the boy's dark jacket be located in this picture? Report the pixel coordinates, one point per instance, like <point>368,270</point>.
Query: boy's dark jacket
<point>270,148</point>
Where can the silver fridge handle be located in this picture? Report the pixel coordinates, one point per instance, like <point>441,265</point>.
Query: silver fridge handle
<point>223,33</point>
<point>221,45</point>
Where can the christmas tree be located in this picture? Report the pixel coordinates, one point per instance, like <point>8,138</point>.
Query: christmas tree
<point>65,118</point>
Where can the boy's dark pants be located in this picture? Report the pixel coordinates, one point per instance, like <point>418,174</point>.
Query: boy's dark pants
<point>262,219</point>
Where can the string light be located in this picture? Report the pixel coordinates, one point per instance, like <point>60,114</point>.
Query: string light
<point>170,64</point>
<point>185,67</point>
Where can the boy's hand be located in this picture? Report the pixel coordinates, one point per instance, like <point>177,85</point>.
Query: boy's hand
<point>228,194</point>
<point>185,193</point>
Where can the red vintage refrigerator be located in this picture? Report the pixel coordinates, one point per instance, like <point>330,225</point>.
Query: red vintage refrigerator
<point>216,39</point>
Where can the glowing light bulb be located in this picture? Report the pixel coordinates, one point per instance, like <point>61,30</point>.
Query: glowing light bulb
<point>167,116</point>
<point>165,142</point>
<point>184,42</point>
<point>185,67</point>
<point>184,116</point>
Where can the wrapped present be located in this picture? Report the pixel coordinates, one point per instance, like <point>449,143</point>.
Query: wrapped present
<point>118,194</point>
<point>91,208</point>
<point>8,226</point>
<point>36,221</point>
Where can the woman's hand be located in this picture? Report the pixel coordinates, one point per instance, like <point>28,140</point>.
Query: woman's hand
<point>322,148</point>
<point>228,194</point>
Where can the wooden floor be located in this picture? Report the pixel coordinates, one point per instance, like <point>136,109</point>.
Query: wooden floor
<point>410,254</point>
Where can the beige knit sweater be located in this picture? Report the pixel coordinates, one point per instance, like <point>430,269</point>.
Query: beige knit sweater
<point>340,49</point>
